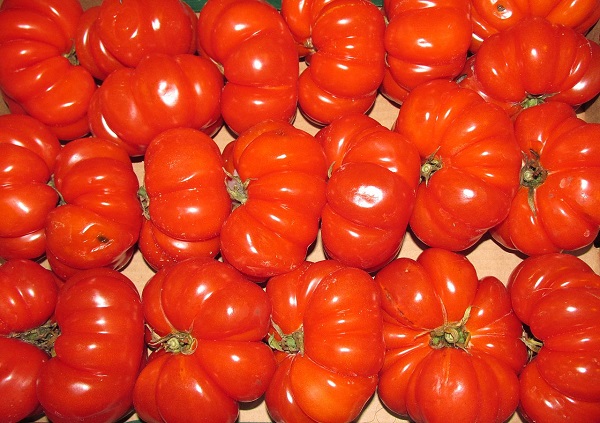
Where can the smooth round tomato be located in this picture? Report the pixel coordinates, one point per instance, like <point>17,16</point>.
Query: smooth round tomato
<point>424,40</point>
<point>278,186</point>
<point>556,296</point>
<point>37,74</point>
<point>532,62</point>
<point>134,105</point>
<point>185,197</point>
<point>252,44</point>
<point>490,16</point>
<point>556,207</point>
<point>116,33</point>
<point>453,343</point>
<point>208,323</point>
<point>342,43</point>
<point>28,151</point>
<point>326,330</point>
<point>99,352</point>
<point>470,163</point>
<point>371,190</point>
<point>98,221</point>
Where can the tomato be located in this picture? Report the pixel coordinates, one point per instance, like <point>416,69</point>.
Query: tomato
<point>556,207</point>
<point>342,42</point>
<point>116,33</point>
<point>28,151</point>
<point>133,105</point>
<point>470,163</point>
<point>532,62</point>
<point>99,219</point>
<point>37,74</point>
<point>278,187</point>
<point>327,332</point>
<point>185,197</point>
<point>490,16</point>
<point>99,352</point>
<point>28,294</point>
<point>424,40</point>
<point>453,344</point>
<point>370,193</point>
<point>209,323</point>
<point>556,296</point>
<point>252,44</point>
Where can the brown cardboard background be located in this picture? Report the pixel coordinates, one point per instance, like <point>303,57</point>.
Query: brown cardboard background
<point>488,258</point>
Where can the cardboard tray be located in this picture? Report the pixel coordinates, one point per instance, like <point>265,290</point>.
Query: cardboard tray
<point>487,256</point>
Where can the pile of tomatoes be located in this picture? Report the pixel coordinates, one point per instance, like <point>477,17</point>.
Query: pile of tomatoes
<point>108,152</point>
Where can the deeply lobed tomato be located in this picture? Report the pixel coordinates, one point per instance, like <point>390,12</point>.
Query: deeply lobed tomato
<point>185,197</point>
<point>28,151</point>
<point>279,184</point>
<point>453,344</point>
<point>371,190</point>
<point>556,207</point>
<point>251,42</point>
<point>342,43</point>
<point>470,163</point>
<point>116,34</point>
<point>556,296</point>
<point>326,329</point>
<point>37,74</point>
<point>209,322</point>
<point>99,219</point>
<point>134,105</point>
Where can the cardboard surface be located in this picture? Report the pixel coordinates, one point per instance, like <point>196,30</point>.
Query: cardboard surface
<point>488,258</point>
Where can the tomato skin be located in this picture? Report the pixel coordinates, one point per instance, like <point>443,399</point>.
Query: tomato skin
<point>284,172</point>
<point>187,197</point>
<point>424,41</point>
<point>556,296</point>
<point>370,193</point>
<point>535,61</point>
<point>36,77</point>
<point>118,34</point>
<point>227,315</point>
<point>428,383</point>
<point>489,19</point>
<point>472,144</point>
<point>134,105</point>
<point>335,373</point>
<point>251,42</point>
<point>28,151</point>
<point>558,209</point>
<point>101,215</point>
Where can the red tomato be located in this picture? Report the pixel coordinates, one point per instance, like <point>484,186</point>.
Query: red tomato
<point>279,186</point>
<point>532,62</point>
<point>37,74</point>
<point>556,207</point>
<point>424,40</point>
<point>185,197</point>
<point>370,193</point>
<point>326,328</point>
<point>99,352</point>
<point>471,163</point>
<point>28,295</point>
<point>209,323</point>
<point>99,219</point>
<point>28,151</point>
<point>490,16</point>
<point>453,342</point>
<point>252,44</point>
<point>342,41</point>
<point>117,33</point>
<point>557,297</point>
<point>133,105</point>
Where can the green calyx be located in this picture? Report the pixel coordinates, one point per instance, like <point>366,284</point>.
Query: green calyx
<point>290,343</point>
<point>532,175</point>
<point>42,337</point>
<point>176,343</point>
<point>451,334</point>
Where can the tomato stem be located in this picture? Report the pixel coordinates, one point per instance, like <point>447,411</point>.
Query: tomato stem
<point>144,201</point>
<point>42,337</point>
<point>236,188</point>
<point>175,343</point>
<point>431,165</point>
<point>451,334</point>
<point>290,343</point>
<point>532,175</point>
